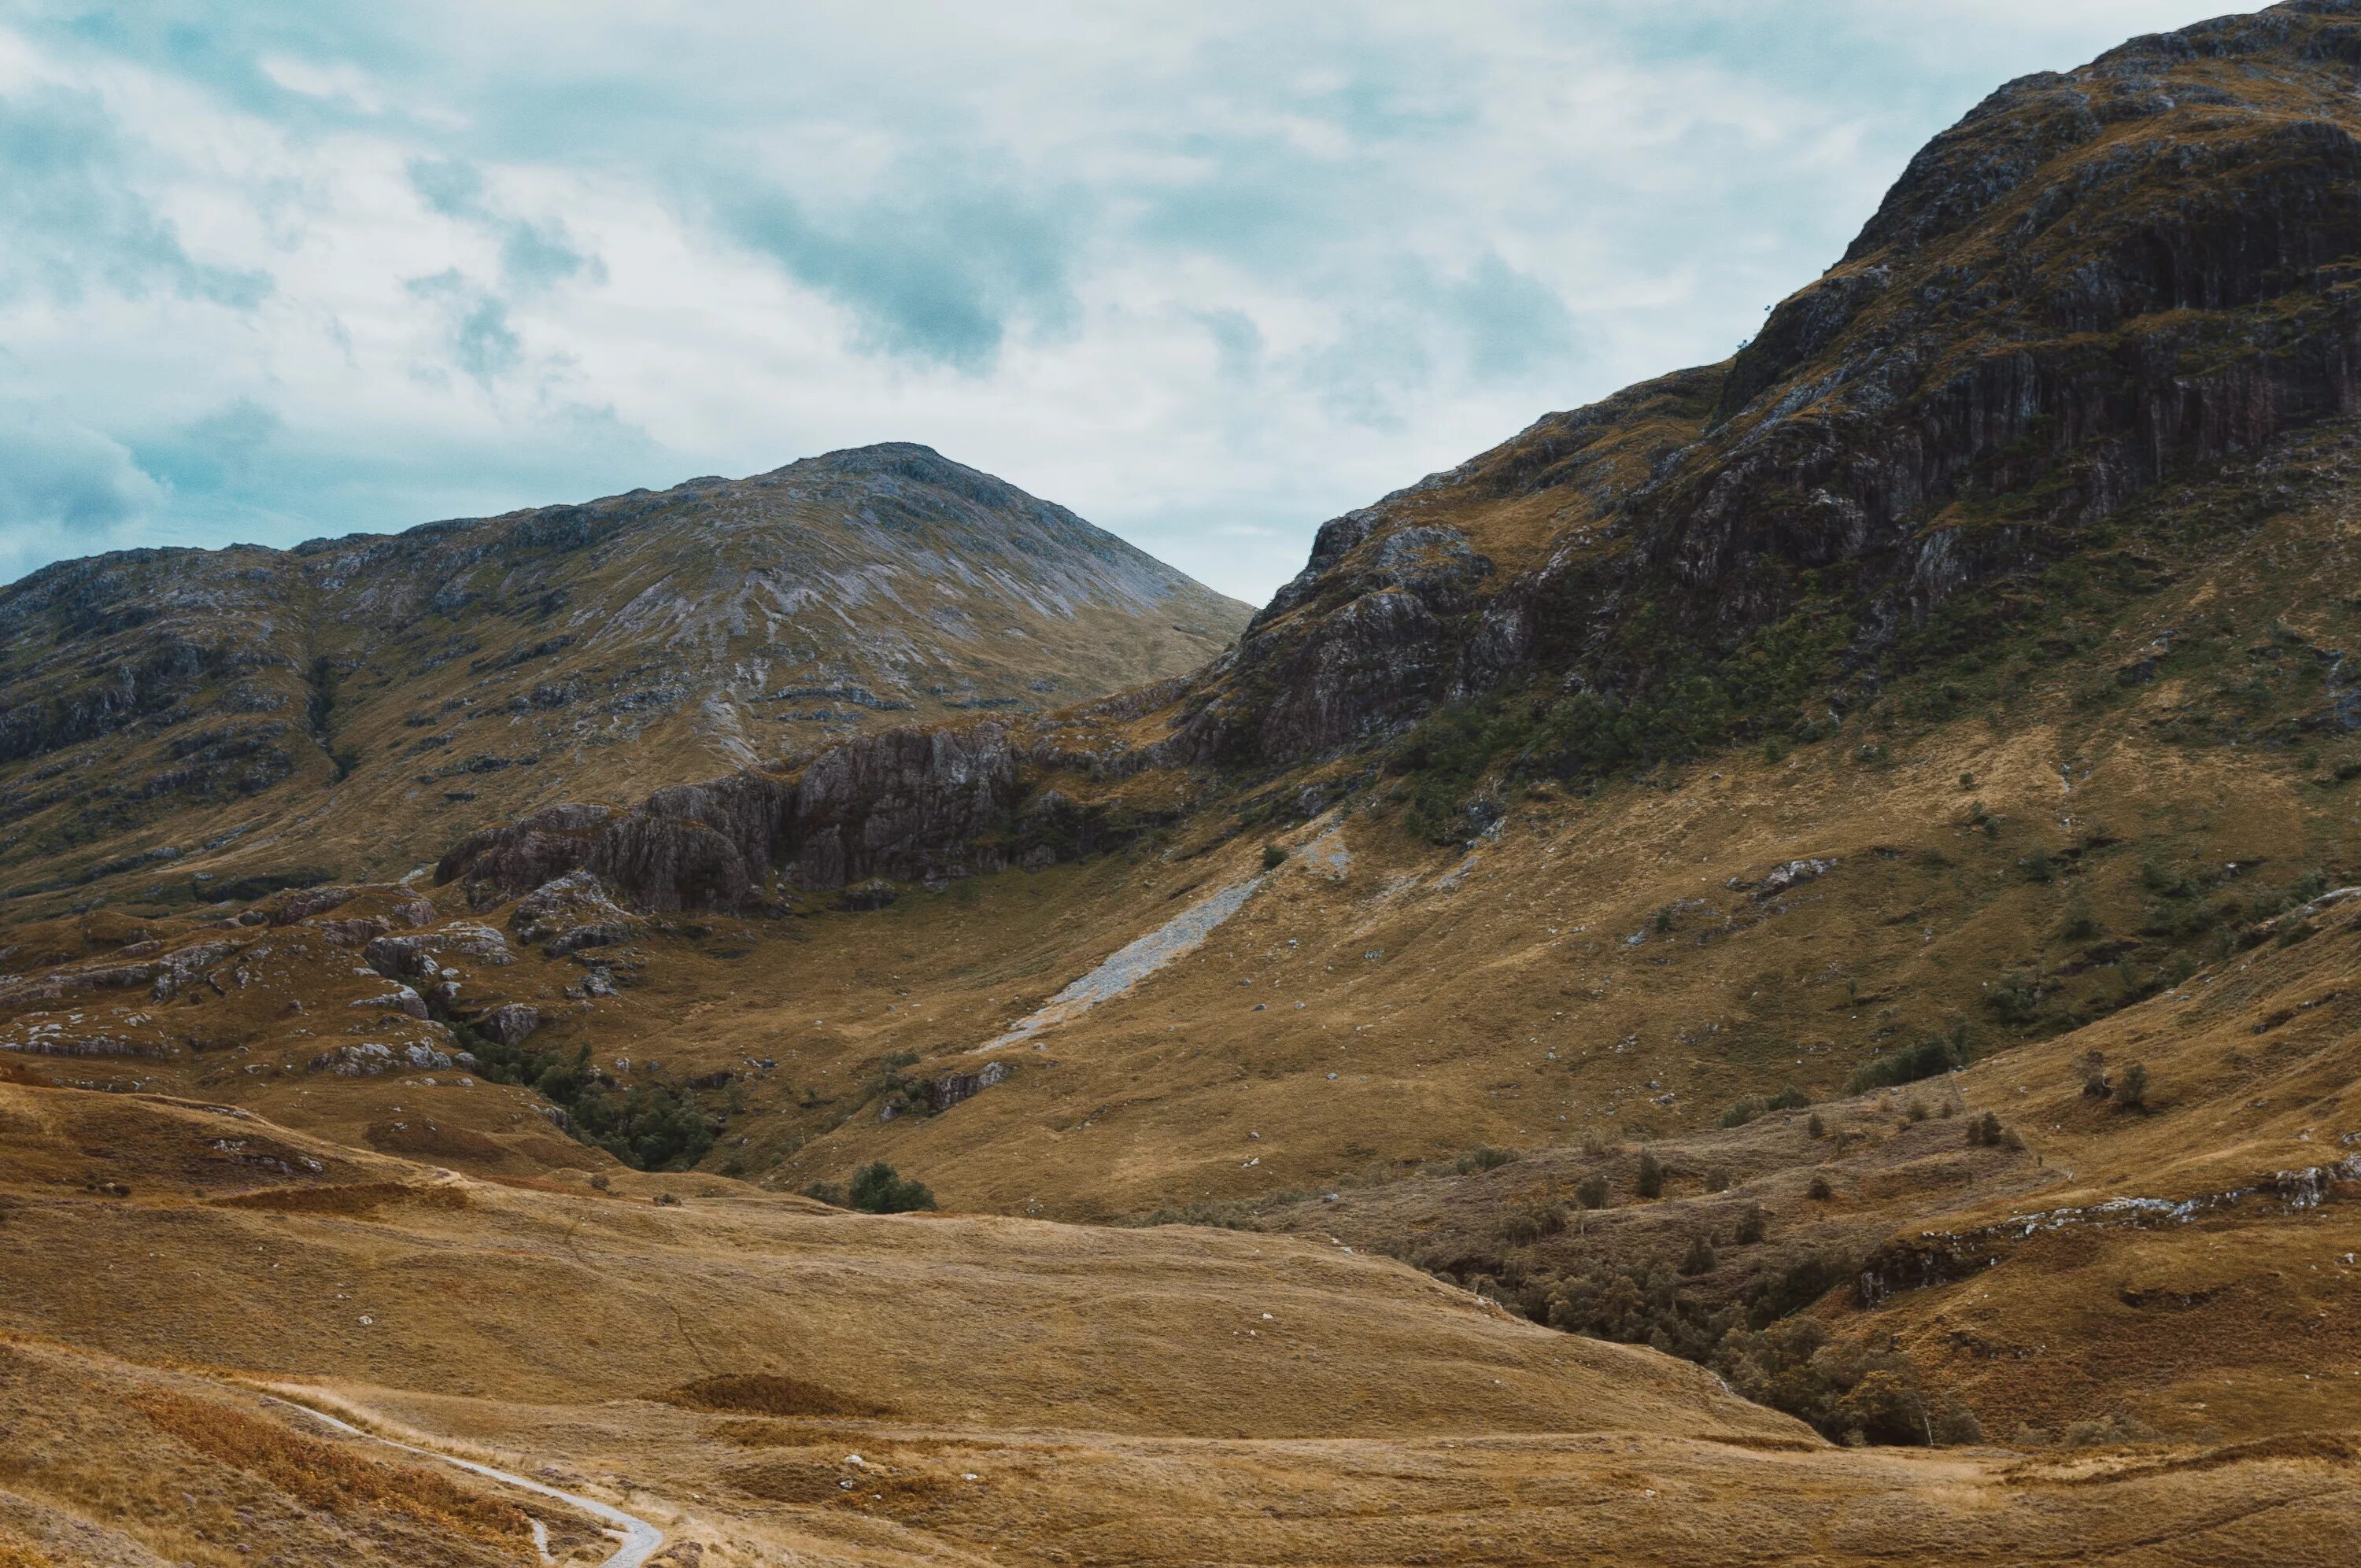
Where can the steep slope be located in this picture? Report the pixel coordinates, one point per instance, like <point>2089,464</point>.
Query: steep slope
<point>391,693</point>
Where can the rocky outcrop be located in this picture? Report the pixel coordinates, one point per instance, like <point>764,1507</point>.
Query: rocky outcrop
<point>510,1023</point>
<point>940,1094</point>
<point>914,806</point>
<point>570,912</point>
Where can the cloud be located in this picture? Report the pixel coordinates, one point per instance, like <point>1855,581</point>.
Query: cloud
<point>939,273</point>
<point>64,488</point>
<point>476,329</point>
<point>1513,323</point>
<point>534,255</point>
<point>1207,272</point>
<point>71,218</point>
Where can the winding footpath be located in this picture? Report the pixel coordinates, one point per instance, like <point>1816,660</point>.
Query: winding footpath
<point>641,1539</point>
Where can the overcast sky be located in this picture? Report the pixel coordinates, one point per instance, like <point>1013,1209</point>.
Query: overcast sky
<point>1206,273</point>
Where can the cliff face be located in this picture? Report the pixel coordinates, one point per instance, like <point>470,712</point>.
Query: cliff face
<point>2092,282</point>
<point>405,689</point>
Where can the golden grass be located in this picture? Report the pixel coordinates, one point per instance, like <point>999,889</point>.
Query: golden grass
<point>331,1478</point>
<point>15,1551</point>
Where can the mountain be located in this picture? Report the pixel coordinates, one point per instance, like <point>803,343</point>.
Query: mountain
<point>391,693</point>
<point>1838,867</point>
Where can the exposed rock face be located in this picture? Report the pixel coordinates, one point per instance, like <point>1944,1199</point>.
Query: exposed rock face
<point>570,912</point>
<point>400,999</point>
<point>942,1093</point>
<point>902,805</point>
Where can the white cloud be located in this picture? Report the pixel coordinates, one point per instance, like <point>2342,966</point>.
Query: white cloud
<point>69,489</point>
<point>1206,273</point>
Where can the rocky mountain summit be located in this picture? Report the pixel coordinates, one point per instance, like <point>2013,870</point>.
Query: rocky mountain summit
<point>396,691</point>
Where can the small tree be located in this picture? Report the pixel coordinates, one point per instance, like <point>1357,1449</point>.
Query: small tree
<point>1717,1181</point>
<point>1815,1127</point>
<point>1652,1175</point>
<point>1820,1191</point>
<point>2091,1067</point>
<point>2132,1092</point>
<point>1700,1258</point>
<point>1591,1192</point>
<point>1886,1407</point>
<point>1984,1131</point>
<point>1752,1224</point>
<point>878,1189</point>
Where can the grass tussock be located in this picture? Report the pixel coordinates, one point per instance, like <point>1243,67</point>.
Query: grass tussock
<point>768,1394</point>
<point>15,1551</point>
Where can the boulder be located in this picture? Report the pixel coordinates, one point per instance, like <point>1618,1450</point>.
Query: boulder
<point>400,999</point>
<point>354,1061</point>
<point>510,1023</point>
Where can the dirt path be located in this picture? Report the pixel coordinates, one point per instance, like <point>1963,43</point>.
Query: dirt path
<point>641,1539</point>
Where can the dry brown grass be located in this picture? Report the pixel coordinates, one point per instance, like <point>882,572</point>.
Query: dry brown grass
<point>15,1551</point>
<point>337,1478</point>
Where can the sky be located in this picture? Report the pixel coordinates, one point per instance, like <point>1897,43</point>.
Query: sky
<point>1207,272</point>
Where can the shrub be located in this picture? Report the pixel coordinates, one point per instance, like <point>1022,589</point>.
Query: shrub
<point>1790,1099</point>
<point>1849,1392</point>
<point>1955,1424</point>
<point>2090,1068</point>
<point>1591,1192</point>
<point>1527,1226</point>
<point>2016,996</point>
<point>1820,1191</point>
<point>1984,1131</point>
<point>877,1189</point>
<point>1700,1258</point>
<point>2132,1092</point>
<point>2117,1428</point>
<point>1815,1127</point>
<point>1917,1110</point>
<point>1752,1225</point>
<point>1743,1112</point>
<point>1273,856</point>
<point>1651,1181</point>
<point>1926,1060</point>
<point>1483,1157</point>
<point>1717,1181</point>
<point>1884,1407</point>
<point>2079,924</point>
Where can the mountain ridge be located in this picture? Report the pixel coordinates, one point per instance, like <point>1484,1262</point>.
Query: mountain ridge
<point>648,636</point>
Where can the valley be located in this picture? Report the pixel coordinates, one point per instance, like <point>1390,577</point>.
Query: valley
<point>1761,973</point>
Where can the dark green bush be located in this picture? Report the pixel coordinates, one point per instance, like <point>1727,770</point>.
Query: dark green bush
<point>1926,1060</point>
<point>877,1189</point>
<point>1650,1179</point>
<point>2131,1094</point>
